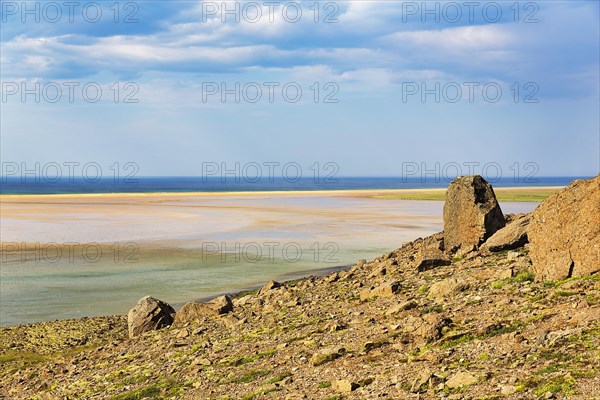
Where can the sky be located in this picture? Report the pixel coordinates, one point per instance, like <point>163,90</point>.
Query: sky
<point>374,88</point>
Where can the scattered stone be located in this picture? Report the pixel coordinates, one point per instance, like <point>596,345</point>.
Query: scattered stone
<point>183,333</point>
<point>471,213</point>
<point>507,389</point>
<point>387,289</point>
<point>147,315</point>
<point>565,232</point>
<point>506,273</point>
<point>460,379</point>
<point>427,329</point>
<point>344,386</point>
<point>422,381</point>
<point>406,305</point>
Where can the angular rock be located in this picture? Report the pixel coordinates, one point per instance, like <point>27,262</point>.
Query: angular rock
<point>194,311</point>
<point>149,314</point>
<point>270,285</point>
<point>425,329</point>
<point>344,386</point>
<point>387,289</point>
<point>449,286</point>
<point>431,253</point>
<point>327,354</point>
<point>471,213</point>
<point>406,305</point>
<point>564,232</point>
<point>221,304</point>
<point>510,237</point>
<point>422,381</point>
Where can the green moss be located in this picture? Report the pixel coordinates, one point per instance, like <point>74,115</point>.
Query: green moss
<point>564,293</point>
<point>22,357</point>
<point>499,284</point>
<point>525,276</point>
<point>238,361</point>
<point>279,377</point>
<point>160,390</point>
<point>251,396</point>
<point>455,342</point>
<point>324,384</point>
<point>250,376</point>
<point>560,384</point>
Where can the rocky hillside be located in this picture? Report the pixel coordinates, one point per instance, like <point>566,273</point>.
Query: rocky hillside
<point>475,320</point>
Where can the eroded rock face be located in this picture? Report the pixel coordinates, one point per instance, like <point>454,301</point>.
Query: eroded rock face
<point>149,314</point>
<point>564,232</point>
<point>471,213</point>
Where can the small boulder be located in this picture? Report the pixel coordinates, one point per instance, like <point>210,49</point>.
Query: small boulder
<point>564,232</point>
<point>326,355</point>
<point>421,383</point>
<point>194,311</point>
<point>510,237</point>
<point>221,304</point>
<point>471,213</point>
<point>460,379</point>
<point>404,306</point>
<point>446,288</point>
<point>431,253</point>
<point>344,386</point>
<point>387,289</point>
<point>426,329</point>
<point>149,314</point>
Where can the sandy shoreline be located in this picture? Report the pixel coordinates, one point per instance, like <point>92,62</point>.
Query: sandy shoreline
<point>344,192</point>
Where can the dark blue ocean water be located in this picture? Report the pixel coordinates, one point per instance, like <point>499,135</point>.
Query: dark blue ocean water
<point>31,185</point>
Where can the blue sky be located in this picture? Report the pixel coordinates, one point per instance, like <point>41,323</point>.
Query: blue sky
<point>372,57</point>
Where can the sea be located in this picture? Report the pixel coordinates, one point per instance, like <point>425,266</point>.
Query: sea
<point>75,185</point>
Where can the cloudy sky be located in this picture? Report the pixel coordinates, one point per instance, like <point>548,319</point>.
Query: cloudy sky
<point>367,85</point>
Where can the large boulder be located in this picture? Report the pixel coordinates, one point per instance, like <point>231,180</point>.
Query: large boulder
<point>149,314</point>
<point>564,232</point>
<point>510,237</point>
<point>195,311</point>
<point>471,213</point>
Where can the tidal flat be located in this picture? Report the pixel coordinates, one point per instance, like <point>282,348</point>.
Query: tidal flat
<point>69,256</point>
